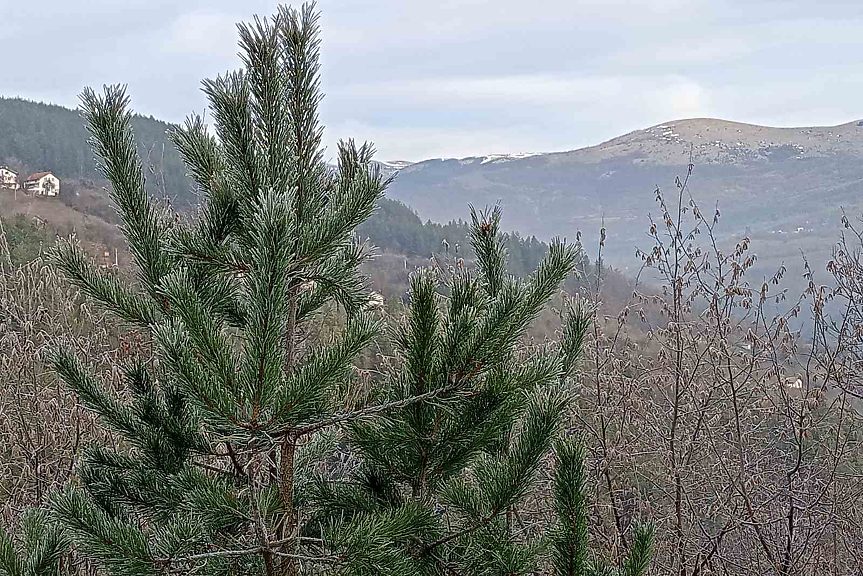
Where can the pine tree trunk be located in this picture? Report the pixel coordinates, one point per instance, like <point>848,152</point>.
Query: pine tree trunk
<point>289,566</point>
<point>260,531</point>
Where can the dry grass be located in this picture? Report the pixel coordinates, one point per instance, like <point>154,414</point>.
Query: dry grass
<point>95,233</point>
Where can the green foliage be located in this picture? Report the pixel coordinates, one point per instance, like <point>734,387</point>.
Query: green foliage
<point>41,550</point>
<point>227,414</point>
<point>396,228</point>
<point>569,542</point>
<point>24,238</point>
<point>210,420</point>
<point>468,454</point>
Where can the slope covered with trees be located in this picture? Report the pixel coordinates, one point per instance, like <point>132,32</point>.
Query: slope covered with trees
<point>395,227</point>
<point>36,136</point>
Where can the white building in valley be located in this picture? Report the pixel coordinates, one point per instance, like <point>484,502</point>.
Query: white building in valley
<point>8,178</point>
<point>42,184</point>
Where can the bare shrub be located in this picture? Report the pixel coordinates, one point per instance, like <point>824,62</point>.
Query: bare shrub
<point>731,426</point>
<point>43,429</point>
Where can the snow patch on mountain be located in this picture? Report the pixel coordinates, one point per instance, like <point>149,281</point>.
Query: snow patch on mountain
<point>500,158</point>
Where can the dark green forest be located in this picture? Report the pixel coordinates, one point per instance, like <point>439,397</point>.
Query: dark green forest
<point>36,136</point>
<point>395,227</point>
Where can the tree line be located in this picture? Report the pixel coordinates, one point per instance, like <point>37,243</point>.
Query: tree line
<point>36,136</point>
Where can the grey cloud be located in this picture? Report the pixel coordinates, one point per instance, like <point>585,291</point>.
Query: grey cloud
<point>453,78</point>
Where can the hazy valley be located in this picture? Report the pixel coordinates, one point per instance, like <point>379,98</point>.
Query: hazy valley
<point>782,187</point>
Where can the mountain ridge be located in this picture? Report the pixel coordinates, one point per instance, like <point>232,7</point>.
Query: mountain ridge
<point>717,125</point>
<point>784,187</point>
<point>688,122</point>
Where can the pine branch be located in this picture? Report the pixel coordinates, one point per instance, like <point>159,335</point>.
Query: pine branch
<point>109,121</point>
<point>575,325</point>
<point>257,519</point>
<point>638,561</point>
<point>45,543</point>
<point>268,295</point>
<point>247,552</point>
<point>72,371</point>
<point>205,331</point>
<point>379,543</point>
<point>107,290</point>
<point>375,410</point>
<point>116,542</point>
<point>300,37</point>
<point>201,248</point>
<point>336,278</point>
<point>262,54</point>
<point>489,248</point>
<point>505,482</point>
<point>10,562</point>
<point>419,339</point>
<point>569,540</point>
<point>202,154</point>
<point>353,202</point>
<point>230,101</point>
<point>218,406</point>
<point>305,394</point>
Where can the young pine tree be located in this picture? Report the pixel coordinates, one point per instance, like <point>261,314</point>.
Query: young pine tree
<point>217,414</point>
<point>440,480</point>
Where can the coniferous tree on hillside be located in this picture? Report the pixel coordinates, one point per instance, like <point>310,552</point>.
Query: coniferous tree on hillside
<point>220,415</point>
<point>229,415</point>
<point>460,464</point>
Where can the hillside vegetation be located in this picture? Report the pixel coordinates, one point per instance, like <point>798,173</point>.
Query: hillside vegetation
<point>229,395</point>
<point>36,136</point>
<point>785,187</point>
<point>402,241</point>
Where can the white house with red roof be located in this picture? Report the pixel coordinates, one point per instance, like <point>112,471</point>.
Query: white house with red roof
<point>42,184</point>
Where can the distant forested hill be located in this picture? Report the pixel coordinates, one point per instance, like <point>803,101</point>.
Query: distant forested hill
<point>36,136</point>
<point>395,227</point>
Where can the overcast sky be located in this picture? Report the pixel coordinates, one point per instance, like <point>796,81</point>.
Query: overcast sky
<point>446,78</point>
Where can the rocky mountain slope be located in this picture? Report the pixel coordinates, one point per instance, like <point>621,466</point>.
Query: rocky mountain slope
<point>783,187</point>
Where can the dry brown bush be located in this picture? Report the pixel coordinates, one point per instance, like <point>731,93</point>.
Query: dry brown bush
<point>43,429</point>
<point>732,428</point>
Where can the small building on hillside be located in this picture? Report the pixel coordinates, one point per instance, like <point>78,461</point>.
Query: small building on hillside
<point>8,178</point>
<point>376,300</point>
<point>42,184</point>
